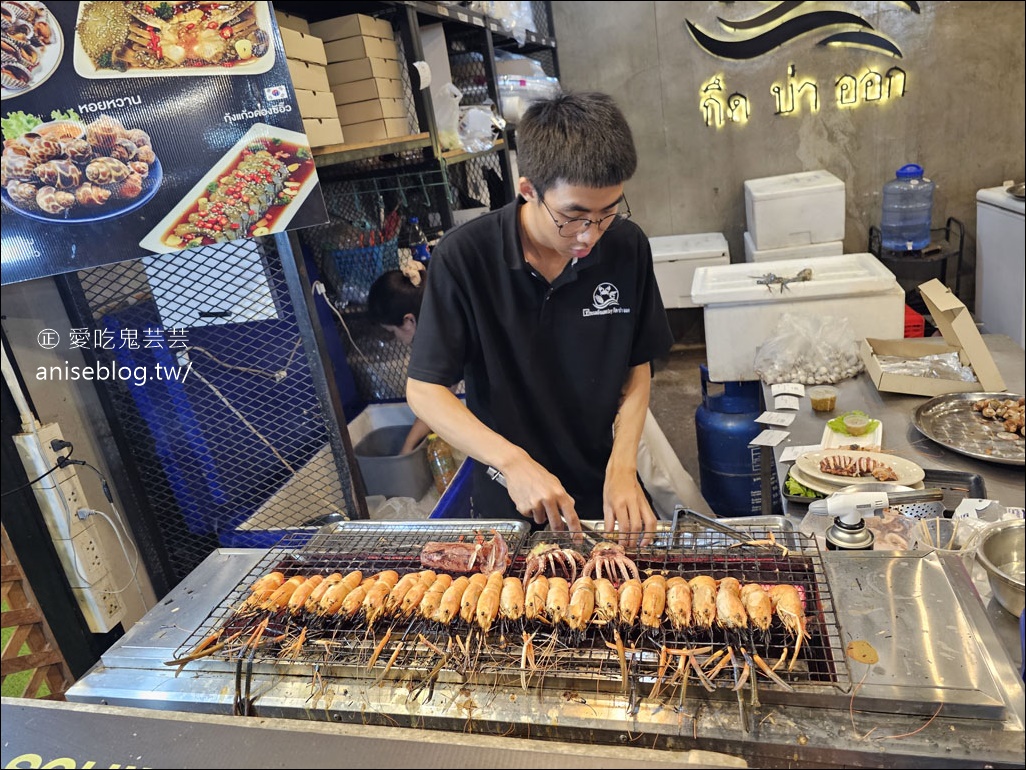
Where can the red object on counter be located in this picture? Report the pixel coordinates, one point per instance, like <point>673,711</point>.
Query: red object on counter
<point>915,324</point>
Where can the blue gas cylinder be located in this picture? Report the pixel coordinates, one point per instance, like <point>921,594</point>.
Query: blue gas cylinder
<point>729,469</point>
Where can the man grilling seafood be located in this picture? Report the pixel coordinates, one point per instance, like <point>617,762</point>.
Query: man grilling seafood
<point>548,310</point>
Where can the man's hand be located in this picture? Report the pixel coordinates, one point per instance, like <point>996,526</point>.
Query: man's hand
<point>538,495</point>
<point>625,506</point>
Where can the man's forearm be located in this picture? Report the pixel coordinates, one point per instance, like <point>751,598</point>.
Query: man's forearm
<point>630,418</point>
<point>453,421</point>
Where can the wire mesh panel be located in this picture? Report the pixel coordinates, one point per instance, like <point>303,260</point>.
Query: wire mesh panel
<point>361,242</point>
<point>580,624</point>
<point>220,409</point>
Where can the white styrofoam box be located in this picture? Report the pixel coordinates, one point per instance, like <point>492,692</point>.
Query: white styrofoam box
<point>794,209</point>
<point>752,254</point>
<point>999,265</point>
<point>740,313</point>
<point>675,259</point>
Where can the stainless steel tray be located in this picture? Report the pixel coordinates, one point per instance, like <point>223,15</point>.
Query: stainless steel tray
<point>950,421</point>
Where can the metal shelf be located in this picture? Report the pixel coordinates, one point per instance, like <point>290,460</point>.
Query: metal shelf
<point>946,243</point>
<point>458,156</point>
<point>346,153</point>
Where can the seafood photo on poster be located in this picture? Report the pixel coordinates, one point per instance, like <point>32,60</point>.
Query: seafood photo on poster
<point>136,128</point>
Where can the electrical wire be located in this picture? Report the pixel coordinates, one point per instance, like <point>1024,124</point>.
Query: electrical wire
<point>242,418</point>
<point>135,568</point>
<point>319,289</point>
<point>26,486</point>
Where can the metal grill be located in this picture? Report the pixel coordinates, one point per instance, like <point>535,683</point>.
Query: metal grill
<point>562,657</point>
<point>235,449</point>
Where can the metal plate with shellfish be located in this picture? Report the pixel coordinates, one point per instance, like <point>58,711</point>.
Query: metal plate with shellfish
<point>32,45</point>
<point>137,39</point>
<point>951,421</point>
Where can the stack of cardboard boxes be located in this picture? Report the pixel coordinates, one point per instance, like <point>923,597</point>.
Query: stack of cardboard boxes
<point>307,66</point>
<point>365,78</point>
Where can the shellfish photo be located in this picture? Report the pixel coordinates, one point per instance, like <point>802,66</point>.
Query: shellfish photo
<point>72,170</point>
<point>31,45</point>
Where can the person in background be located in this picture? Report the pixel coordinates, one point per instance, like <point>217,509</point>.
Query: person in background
<point>393,303</point>
<point>548,309</point>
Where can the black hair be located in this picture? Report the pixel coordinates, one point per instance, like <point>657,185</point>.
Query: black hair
<point>392,296</point>
<point>578,138</point>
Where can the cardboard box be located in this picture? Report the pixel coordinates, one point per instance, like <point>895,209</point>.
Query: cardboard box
<point>956,324</point>
<point>288,21</point>
<point>363,47</point>
<point>323,131</point>
<point>316,104</point>
<point>372,130</point>
<point>306,76</point>
<point>361,69</point>
<point>303,47</point>
<point>365,90</point>
<point>361,112</point>
<point>350,26</point>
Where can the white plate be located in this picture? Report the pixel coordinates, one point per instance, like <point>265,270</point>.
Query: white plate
<point>49,57</point>
<point>907,471</point>
<point>834,440</point>
<point>154,240</point>
<point>85,67</point>
<point>845,487</point>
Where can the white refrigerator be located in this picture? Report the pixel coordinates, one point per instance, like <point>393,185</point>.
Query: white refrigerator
<point>1000,257</point>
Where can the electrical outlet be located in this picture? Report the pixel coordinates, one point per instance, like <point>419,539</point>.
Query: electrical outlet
<point>60,493</point>
<point>101,606</point>
<point>91,560</point>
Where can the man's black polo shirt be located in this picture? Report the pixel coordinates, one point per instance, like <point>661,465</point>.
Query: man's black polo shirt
<point>543,364</point>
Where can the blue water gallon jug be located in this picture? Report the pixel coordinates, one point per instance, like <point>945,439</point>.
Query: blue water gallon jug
<point>907,210</point>
<point>729,469</point>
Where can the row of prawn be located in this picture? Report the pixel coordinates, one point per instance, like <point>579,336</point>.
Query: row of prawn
<point>695,604</point>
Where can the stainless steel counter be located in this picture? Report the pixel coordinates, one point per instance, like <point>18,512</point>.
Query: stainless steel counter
<point>1005,483</point>
<point>943,694</point>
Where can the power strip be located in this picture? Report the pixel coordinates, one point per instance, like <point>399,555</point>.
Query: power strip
<point>60,496</point>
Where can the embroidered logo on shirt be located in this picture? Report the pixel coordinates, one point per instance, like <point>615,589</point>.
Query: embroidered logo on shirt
<point>605,300</point>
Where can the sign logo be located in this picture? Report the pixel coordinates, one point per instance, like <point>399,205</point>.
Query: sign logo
<point>48,339</point>
<point>784,22</point>
<point>606,295</point>
<point>276,93</point>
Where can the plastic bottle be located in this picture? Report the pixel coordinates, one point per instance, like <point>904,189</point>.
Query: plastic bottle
<point>442,462</point>
<point>417,242</point>
<point>907,210</point>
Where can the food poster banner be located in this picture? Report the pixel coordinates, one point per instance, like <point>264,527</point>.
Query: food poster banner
<point>138,128</point>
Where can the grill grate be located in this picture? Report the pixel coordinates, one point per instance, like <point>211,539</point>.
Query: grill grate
<point>345,647</point>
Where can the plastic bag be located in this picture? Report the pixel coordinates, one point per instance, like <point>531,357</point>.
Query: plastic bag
<point>447,116</point>
<point>809,349</point>
<point>477,127</point>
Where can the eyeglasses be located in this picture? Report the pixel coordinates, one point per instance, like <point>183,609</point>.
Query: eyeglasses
<point>574,227</point>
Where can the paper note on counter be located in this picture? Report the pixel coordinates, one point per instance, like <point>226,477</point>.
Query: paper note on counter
<point>786,402</point>
<point>769,438</point>
<point>792,453</point>
<point>776,418</point>
<point>792,388</point>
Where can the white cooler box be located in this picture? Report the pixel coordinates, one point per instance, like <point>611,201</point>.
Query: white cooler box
<point>740,314</point>
<point>752,254</point>
<point>795,209</point>
<point>675,259</point>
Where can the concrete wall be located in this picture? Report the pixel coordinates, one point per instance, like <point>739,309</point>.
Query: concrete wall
<point>961,118</point>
